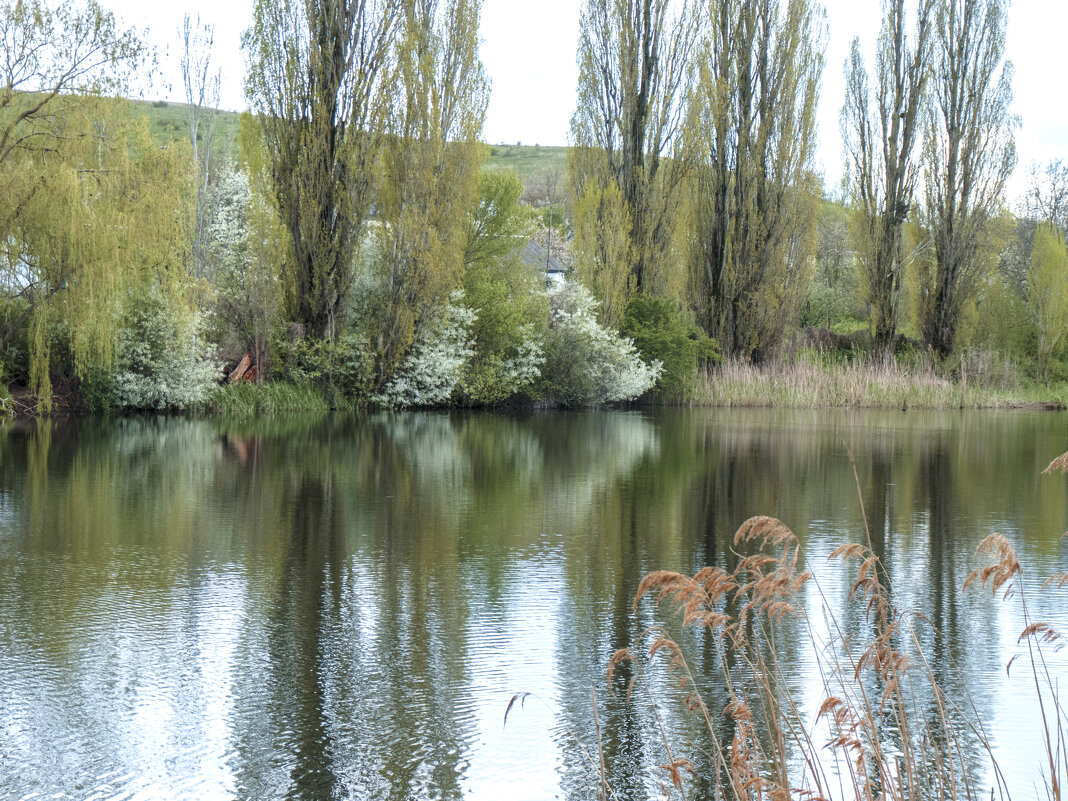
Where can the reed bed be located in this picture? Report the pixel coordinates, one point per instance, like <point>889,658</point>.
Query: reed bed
<point>872,740</point>
<point>812,384</point>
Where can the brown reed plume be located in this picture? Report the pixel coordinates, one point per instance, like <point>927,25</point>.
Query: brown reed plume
<point>1036,636</point>
<point>879,745</point>
<point>886,752</point>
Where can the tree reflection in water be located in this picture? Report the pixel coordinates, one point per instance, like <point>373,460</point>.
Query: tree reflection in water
<point>342,607</point>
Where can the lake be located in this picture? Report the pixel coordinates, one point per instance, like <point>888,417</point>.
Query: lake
<point>343,607</point>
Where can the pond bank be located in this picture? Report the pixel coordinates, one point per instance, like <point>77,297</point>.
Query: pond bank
<point>803,384</point>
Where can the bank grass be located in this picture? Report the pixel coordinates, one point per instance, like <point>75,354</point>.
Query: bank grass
<point>884,730</point>
<point>245,399</point>
<point>814,383</point>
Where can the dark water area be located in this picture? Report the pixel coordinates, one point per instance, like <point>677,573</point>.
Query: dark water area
<point>343,607</point>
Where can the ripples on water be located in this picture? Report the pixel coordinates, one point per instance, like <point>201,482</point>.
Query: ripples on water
<point>344,608</point>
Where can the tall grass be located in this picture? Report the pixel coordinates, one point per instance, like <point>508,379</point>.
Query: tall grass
<point>872,739</point>
<point>812,383</point>
<point>248,400</point>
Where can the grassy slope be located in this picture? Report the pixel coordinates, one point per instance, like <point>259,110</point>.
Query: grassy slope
<point>169,121</point>
<point>528,161</point>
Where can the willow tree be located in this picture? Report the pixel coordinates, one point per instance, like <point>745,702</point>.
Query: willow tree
<point>634,68</point>
<point>428,186</point>
<point>63,165</point>
<point>752,134</point>
<point>1047,294</point>
<point>316,72</point>
<point>882,139</point>
<point>102,214</point>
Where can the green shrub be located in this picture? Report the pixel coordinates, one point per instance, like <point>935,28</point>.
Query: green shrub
<point>662,332</point>
<point>341,371</point>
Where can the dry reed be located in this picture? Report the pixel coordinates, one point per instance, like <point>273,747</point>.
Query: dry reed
<point>811,383</point>
<point>881,747</point>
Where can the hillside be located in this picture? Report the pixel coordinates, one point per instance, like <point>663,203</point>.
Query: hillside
<point>168,121</point>
<point>528,160</point>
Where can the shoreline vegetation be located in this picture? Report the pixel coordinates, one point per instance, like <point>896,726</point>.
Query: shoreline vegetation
<point>807,382</point>
<point>682,250</point>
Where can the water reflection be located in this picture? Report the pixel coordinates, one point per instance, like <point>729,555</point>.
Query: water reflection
<point>342,607</point>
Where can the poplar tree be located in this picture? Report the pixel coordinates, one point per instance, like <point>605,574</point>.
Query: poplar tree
<point>634,68</point>
<point>969,154</point>
<point>882,135</point>
<point>752,136</point>
<point>428,186</point>
<point>316,73</point>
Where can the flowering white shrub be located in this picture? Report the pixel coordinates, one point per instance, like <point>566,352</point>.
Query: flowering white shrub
<point>429,373</point>
<point>586,364</point>
<point>523,369</point>
<point>162,361</point>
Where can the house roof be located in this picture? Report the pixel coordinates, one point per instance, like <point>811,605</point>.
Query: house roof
<point>533,255</point>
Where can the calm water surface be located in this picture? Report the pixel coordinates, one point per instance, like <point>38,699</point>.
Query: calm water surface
<point>343,608</point>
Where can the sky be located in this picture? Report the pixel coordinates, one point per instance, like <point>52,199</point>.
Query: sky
<point>528,50</point>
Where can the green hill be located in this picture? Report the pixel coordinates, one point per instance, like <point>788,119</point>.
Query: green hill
<point>527,160</point>
<point>169,121</point>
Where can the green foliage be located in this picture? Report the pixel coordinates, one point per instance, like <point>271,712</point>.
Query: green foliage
<point>662,332</point>
<point>428,183</point>
<point>253,400</point>
<point>340,370</point>
<point>506,296</point>
<point>499,224</point>
<point>89,219</point>
<point>604,250</point>
<point>1047,295</point>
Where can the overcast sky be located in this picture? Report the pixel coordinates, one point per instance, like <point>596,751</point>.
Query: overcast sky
<point>529,52</point>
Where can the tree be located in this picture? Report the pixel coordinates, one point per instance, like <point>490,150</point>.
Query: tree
<point>202,98</point>
<point>969,154</point>
<point>102,214</point>
<point>1047,194</point>
<point>752,129</point>
<point>604,250</point>
<point>66,162</point>
<point>428,187</point>
<point>506,295</point>
<point>315,80</point>
<point>634,69</point>
<point>881,136</point>
<point>50,52</point>
<point>1047,294</point>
